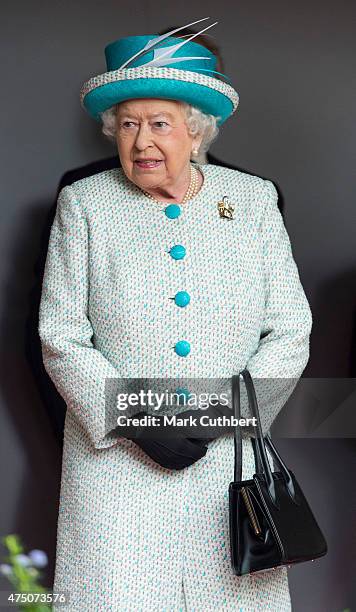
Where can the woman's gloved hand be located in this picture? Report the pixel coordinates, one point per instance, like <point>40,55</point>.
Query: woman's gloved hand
<point>212,411</point>
<point>172,453</point>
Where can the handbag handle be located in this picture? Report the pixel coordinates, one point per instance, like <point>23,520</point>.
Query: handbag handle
<point>282,465</point>
<point>261,458</point>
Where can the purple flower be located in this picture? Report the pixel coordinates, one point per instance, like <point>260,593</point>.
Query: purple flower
<point>5,569</point>
<point>23,560</point>
<point>38,557</point>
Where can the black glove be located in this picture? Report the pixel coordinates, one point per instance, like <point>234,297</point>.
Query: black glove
<point>172,453</point>
<point>212,411</point>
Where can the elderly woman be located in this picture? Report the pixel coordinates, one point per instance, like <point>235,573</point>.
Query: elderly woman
<point>165,267</point>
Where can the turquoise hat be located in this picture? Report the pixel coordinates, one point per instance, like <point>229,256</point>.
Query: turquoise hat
<point>142,67</point>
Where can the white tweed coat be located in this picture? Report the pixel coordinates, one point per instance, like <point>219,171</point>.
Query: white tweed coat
<point>133,536</point>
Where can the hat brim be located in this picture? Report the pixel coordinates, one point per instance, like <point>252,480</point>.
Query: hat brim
<point>210,95</point>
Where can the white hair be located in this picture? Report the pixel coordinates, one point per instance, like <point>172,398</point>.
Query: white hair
<point>198,123</point>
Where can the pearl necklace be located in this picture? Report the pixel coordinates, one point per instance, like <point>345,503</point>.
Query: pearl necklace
<point>191,191</point>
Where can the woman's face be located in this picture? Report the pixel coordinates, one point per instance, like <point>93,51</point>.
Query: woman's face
<point>154,129</point>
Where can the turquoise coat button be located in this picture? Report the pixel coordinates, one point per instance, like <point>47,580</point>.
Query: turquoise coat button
<point>177,251</point>
<point>182,348</point>
<point>172,211</point>
<point>182,298</point>
<point>183,394</point>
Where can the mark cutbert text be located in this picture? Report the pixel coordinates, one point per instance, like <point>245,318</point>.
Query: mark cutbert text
<point>179,421</point>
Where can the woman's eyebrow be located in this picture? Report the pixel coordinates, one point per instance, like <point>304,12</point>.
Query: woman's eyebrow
<point>161,114</point>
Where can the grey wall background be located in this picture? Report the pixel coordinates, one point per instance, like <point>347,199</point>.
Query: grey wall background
<point>293,65</point>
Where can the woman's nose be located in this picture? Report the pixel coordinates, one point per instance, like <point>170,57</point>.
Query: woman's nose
<point>143,137</point>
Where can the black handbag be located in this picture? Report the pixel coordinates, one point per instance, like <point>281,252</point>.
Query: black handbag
<point>270,521</point>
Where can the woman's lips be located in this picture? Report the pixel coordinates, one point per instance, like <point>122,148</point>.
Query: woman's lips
<point>148,164</point>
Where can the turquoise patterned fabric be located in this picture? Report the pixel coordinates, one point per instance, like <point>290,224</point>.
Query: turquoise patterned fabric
<point>132,535</point>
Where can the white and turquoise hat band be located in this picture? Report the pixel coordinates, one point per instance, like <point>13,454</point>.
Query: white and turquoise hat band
<point>142,67</point>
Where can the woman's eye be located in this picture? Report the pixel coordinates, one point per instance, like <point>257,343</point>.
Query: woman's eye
<point>129,124</point>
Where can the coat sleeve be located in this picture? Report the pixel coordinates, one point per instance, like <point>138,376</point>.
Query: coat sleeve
<point>76,367</point>
<point>283,350</point>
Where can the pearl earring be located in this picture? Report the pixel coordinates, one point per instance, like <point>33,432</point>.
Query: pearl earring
<point>195,151</point>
